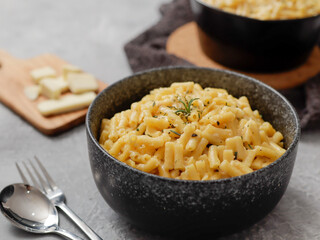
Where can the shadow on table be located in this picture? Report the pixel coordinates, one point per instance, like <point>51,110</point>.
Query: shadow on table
<point>310,135</point>
<point>296,217</point>
<point>20,234</point>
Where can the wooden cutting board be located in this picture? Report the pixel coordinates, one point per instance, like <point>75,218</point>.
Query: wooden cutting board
<point>15,76</point>
<point>184,43</point>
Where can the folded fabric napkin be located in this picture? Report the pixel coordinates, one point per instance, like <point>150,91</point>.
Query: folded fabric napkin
<point>148,50</point>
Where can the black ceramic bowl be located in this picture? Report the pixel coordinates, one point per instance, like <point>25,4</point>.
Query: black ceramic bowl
<point>254,45</point>
<point>187,208</point>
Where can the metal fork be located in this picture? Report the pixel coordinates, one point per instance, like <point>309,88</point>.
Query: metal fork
<point>55,194</point>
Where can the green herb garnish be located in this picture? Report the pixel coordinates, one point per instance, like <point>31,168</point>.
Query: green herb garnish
<point>187,106</point>
<point>235,155</point>
<point>250,146</point>
<point>175,132</point>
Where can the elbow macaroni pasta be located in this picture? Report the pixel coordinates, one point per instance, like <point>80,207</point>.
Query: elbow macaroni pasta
<point>186,132</point>
<point>269,9</point>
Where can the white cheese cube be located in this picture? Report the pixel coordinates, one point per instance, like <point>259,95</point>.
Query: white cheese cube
<point>50,88</point>
<point>40,73</point>
<point>82,82</point>
<point>63,84</point>
<point>53,87</point>
<point>32,92</point>
<point>66,69</point>
<point>66,104</point>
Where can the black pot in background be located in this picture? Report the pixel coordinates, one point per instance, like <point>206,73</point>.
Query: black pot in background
<point>182,208</point>
<point>254,45</point>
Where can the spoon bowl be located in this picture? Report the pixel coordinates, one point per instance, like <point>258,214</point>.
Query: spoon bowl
<point>30,210</point>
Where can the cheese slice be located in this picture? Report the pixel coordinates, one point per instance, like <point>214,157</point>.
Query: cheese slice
<point>66,104</point>
<point>41,73</point>
<point>82,82</point>
<point>66,69</point>
<point>32,92</point>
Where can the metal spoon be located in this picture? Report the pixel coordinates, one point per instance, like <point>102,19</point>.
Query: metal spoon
<point>29,209</point>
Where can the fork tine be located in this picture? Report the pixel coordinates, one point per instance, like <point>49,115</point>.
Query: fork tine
<point>44,185</point>
<point>46,174</point>
<point>25,181</point>
<point>35,183</point>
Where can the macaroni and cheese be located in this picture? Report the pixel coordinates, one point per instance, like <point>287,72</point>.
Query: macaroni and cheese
<point>269,9</point>
<point>187,132</point>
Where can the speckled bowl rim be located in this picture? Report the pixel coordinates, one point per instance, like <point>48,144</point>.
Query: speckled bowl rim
<point>255,19</point>
<point>291,147</point>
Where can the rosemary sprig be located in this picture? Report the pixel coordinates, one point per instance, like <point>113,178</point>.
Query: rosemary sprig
<point>182,111</point>
<point>175,132</point>
<point>187,106</point>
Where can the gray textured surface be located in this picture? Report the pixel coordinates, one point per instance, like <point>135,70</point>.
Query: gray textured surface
<point>91,34</point>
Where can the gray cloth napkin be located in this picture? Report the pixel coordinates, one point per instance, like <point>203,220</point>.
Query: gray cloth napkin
<point>148,50</point>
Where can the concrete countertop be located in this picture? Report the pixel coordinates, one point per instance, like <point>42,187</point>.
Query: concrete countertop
<point>91,34</point>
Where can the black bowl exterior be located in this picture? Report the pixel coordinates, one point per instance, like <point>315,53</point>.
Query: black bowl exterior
<point>254,45</point>
<point>191,208</point>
